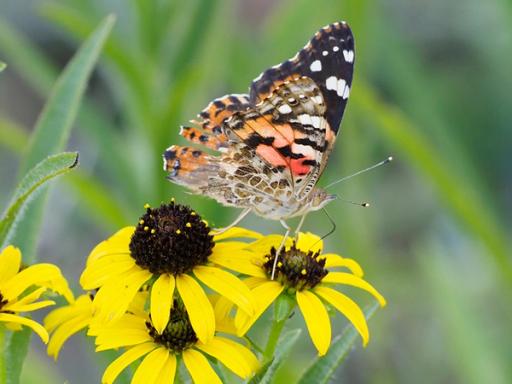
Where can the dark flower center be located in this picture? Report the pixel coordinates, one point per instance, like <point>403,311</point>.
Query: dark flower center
<point>295,268</point>
<point>178,335</point>
<point>171,239</point>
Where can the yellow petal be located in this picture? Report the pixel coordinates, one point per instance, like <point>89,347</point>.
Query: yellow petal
<point>36,327</point>
<point>64,332</point>
<point>10,261</point>
<point>349,279</point>
<point>148,370</point>
<point>17,307</point>
<point>199,368</point>
<point>44,275</point>
<point>168,371</point>
<point>198,306</point>
<point>229,356</point>
<point>226,285</point>
<point>264,294</point>
<point>32,296</point>
<point>128,330</point>
<point>81,307</point>
<point>237,232</point>
<point>246,353</point>
<point>239,260</point>
<point>317,320</point>
<point>262,246</point>
<point>161,301</point>
<point>100,271</point>
<point>113,299</point>
<point>333,260</point>
<point>119,242</point>
<point>309,242</point>
<point>348,308</point>
<point>119,364</point>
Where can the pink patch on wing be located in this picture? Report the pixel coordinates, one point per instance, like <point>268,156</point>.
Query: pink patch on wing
<point>298,168</point>
<point>269,154</point>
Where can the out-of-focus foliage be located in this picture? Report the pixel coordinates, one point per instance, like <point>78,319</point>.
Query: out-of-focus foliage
<point>431,88</point>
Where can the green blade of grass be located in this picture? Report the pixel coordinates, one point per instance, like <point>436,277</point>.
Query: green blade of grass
<point>54,125</point>
<point>33,181</point>
<point>26,59</point>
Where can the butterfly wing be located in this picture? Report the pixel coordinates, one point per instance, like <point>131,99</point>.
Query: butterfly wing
<point>328,59</point>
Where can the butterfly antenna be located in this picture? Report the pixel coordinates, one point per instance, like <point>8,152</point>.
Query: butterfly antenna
<point>363,204</point>
<point>386,161</point>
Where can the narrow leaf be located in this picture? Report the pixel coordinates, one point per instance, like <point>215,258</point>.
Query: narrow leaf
<point>267,371</point>
<point>323,368</point>
<point>44,171</point>
<point>54,125</point>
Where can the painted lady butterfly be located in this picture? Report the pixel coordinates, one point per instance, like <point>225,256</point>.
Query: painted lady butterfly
<point>272,145</point>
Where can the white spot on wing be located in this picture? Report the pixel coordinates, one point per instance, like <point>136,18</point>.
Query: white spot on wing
<point>284,109</point>
<point>335,48</point>
<point>341,87</point>
<point>348,55</point>
<point>331,83</point>
<point>316,66</point>
<point>316,121</point>
<point>346,92</point>
<point>325,53</point>
<point>305,119</point>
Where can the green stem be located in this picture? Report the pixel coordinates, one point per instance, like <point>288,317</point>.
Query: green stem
<point>275,332</point>
<point>3,348</point>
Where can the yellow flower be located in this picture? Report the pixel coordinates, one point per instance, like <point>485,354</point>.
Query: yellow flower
<point>306,275</point>
<point>20,290</point>
<point>138,334</point>
<point>65,321</point>
<point>172,250</point>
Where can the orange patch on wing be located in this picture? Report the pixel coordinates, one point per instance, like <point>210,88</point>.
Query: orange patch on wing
<point>184,159</point>
<point>269,154</point>
<point>198,136</point>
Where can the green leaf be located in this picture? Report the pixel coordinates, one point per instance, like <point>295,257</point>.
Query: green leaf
<point>54,125</point>
<point>267,371</point>
<point>15,345</point>
<point>323,368</point>
<point>2,66</point>
<point>32,182</point>
<point>283,307</point>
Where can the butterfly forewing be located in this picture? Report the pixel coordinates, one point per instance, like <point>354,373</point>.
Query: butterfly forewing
<point>328,59</point>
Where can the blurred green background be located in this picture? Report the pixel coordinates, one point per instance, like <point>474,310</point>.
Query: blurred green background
<point>432,88</point>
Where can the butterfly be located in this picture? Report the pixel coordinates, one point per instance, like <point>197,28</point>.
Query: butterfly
<point>265,151</point>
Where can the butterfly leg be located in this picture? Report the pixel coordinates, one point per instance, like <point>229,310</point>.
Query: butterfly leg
<point>281,246</point>
<point>301,222</point>
<point>245,212</point>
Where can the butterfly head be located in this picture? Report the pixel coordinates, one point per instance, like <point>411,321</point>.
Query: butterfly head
<point>319,199</point>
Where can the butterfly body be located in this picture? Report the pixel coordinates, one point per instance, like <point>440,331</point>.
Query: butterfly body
<point>266,151</point>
